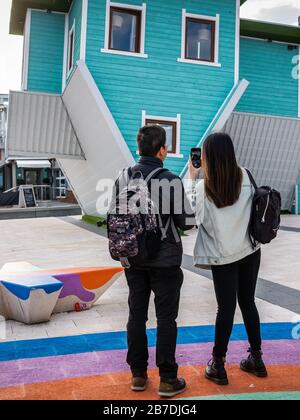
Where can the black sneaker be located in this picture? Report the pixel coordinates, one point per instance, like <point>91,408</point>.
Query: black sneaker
<point>171,387</point>
<point>216,371</point>
<point>139,382</point>
<point>254,364</point>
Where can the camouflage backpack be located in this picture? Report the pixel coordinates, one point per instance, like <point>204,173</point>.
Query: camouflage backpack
<point>135,228</point>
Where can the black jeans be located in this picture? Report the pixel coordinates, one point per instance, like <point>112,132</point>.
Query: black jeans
<point>234,282</point>
<point>166,284</point>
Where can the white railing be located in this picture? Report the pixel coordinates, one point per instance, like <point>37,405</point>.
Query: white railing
<point>45,192</point>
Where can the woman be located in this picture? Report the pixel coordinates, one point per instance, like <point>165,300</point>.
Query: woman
<point>222,203</point>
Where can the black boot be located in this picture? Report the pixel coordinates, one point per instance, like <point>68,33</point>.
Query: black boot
<point>216,372</point>
<point>255,364</point>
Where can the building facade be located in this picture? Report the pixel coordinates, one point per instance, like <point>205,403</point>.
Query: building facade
<point>4,171</point>
<point>94,71</point>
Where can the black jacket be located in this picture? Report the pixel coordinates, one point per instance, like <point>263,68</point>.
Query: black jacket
<point>170,252</point>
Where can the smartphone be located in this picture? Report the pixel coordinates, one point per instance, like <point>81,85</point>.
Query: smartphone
<point>196,157</point>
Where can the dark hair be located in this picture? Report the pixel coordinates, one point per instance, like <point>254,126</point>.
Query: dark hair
<point>223,176</point>
<point>151,139</point>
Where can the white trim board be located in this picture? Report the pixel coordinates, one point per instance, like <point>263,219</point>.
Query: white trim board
<point>298,81</point>
<point>65,62</point>
<point>237,42</point>
<point>47,11</point>
<point>72,30</point>
<point>176,119</point>
<point>143,9</point>
<point>231,105</point>
<point>26,47</point>
<point>84,18</point>
<point>216,19</point>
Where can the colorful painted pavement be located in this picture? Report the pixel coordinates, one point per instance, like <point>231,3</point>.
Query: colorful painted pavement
<point>93,366</point>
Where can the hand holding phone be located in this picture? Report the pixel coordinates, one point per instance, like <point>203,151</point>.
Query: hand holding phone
<point>196,157</point>
<point>195,164</point>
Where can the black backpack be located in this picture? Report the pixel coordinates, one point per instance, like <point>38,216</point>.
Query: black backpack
<point>135,237</point>
<point>265,214</point>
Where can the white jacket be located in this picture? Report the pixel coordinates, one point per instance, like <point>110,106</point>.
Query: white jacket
<point>223,233</point>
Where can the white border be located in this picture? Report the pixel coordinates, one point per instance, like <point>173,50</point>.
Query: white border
<point>69,70</point>
<point>299,82</point>
<point>237,42</point>
<point>65,63</point>
<point>26,48</point>
<point>177,120</point>
<point>216,19</point>
<point>143,9</point>
<point>297,208</point>
<point>84,17</point>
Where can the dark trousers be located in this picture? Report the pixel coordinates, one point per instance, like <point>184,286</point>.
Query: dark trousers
<point>166,284</point>
<point>237,282</point>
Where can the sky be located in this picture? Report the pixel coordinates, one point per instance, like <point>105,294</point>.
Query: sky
<point>11,46</point>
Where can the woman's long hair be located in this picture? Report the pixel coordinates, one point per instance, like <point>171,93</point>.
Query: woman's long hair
<point>223,176</point>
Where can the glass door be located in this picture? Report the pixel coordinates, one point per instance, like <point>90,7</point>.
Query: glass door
<point>60,185</point>
<point>31,176</point>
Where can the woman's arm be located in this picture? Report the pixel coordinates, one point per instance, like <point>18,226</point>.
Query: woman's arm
<point>195,193</point>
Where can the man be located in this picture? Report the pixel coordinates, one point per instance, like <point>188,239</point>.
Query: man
<point>162,275</point>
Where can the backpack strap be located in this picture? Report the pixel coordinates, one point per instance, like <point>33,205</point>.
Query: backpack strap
<point>152,174</point>
<point>170,222</point>
<point>252,180</point>
<point>254,243</point>
<point>164,230</point>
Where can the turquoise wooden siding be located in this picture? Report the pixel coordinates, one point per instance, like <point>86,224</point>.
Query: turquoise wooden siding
<point>76,14</point>
<point>268,67</point>
<point>160,85</point>
<point>46,52</point>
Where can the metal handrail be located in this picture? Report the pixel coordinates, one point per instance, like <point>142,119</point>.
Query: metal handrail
<point>41,191</point>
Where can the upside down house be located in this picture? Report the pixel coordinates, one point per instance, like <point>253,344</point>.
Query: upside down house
<point>94,71</point>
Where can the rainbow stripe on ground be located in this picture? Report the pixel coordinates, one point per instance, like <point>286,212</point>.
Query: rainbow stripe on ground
<point>93,366</point>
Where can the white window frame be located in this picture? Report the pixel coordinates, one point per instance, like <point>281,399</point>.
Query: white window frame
<point>71,31</point>
<point>216,19</point>
<point>237,42</point>
<point>143,9</point>
<point>26,46</point>
<point>177,120</point>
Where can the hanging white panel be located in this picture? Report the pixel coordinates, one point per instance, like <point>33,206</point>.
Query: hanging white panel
<point>270,147</point>
<point>39,127</point>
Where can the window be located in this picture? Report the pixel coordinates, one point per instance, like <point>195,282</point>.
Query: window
<point>125,29</point>
<point>172,127</point>
<point>200,39</point>
<point>71,49</point>
<point>171,130</point>
<point>200,43</point>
